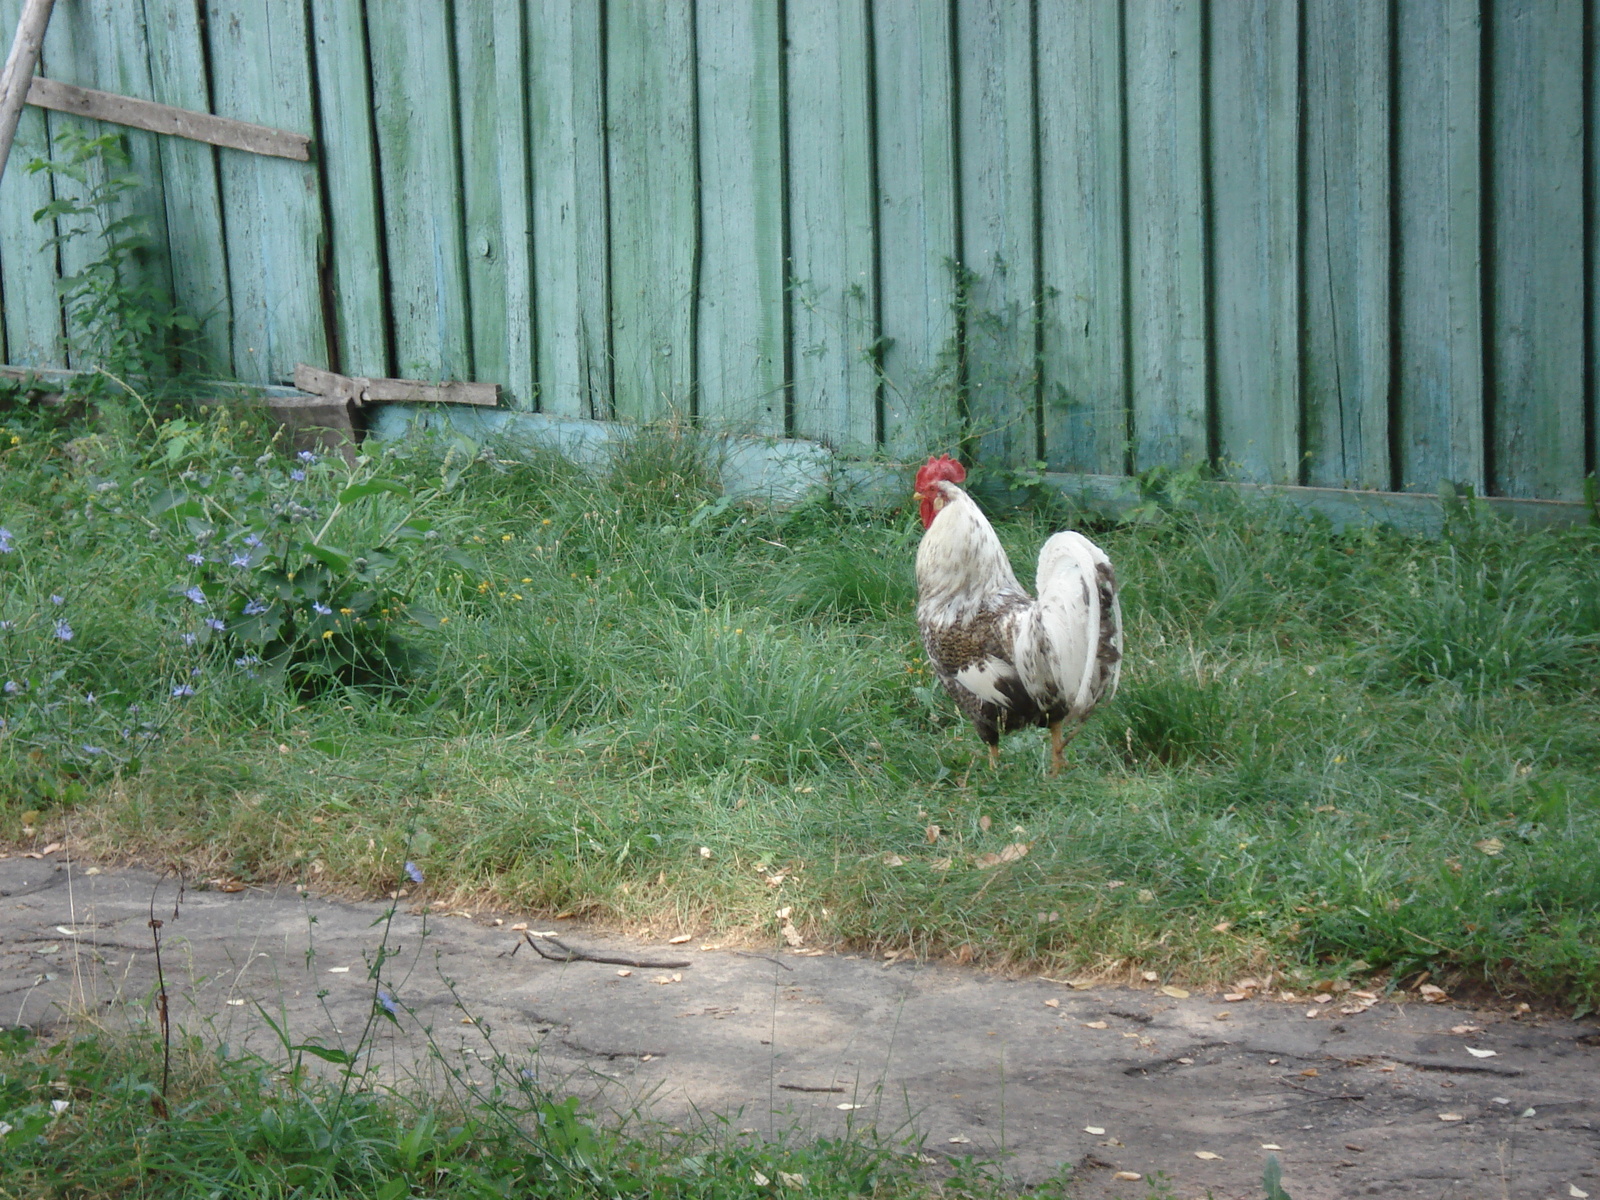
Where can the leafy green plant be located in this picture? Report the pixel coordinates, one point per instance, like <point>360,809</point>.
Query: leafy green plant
<point>120,317</point>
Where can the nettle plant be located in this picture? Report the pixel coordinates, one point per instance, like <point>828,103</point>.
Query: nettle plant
<point>298,574</point>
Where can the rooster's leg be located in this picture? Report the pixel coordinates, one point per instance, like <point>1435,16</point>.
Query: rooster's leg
<point>1058,744</point>
<point>994,758</point>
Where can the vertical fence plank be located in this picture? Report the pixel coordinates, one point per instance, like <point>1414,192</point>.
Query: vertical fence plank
<point>30,309</point>
<point>1166,233</point>
<point>740,305</point>
<point>1440,194</point>
<point>571,287</point>
<point>190,182</point>
<point>489,67</point>
<point>1083,348</point>
<point>347,155</point>
<point>833,301</point>
<point>916,226</point>
<point>260,61</point>
<point>1347,199</point>
<point>101,44</point>
<point>419,157</point>
<point>1537,218</point>
<point>654,220</point>
<point>1255,245</point>
<point>995,146</point>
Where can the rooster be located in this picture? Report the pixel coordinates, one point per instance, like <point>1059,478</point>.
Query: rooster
<point>1009,660</point>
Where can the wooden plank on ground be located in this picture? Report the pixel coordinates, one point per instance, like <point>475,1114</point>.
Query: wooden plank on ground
<point>917,247</point>
<point>30,307</point>
<point>1083,347</point>
<point>1346,377</point>
<point>358,390</point>
<point>650,103</point>
<point>178,76</point>
<point>1255,246</point>
<point>1537,446</point>
<point>175,121</point>
<point>831,224</point>
<point>1439,188</point>
<point>419,156</point>
<point>348,154</point>
<point>571,285</point>
<point>260,62</point>
<point>994,64</point>
<point>1167,243</point>
<point>101,44</point>
<point>740,306</point>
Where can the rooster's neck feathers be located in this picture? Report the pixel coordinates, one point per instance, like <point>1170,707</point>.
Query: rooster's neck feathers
<point>961,565</point>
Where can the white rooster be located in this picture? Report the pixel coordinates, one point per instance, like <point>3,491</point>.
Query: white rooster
<point>1009,660</point>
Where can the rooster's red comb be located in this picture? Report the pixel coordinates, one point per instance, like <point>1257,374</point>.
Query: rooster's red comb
<point>943,467</point>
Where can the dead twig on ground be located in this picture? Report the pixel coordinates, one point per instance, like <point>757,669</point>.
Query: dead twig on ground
<point>568,954</point>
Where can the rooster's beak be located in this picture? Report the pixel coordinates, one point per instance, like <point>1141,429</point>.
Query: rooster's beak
<point>918,496</point>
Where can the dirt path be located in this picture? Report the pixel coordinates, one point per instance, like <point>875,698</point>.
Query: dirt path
<point>1028,1072</point>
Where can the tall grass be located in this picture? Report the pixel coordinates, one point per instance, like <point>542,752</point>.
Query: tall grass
<point>1333,752</point>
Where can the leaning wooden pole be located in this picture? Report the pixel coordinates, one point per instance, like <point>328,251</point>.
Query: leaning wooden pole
<point>18,74</point>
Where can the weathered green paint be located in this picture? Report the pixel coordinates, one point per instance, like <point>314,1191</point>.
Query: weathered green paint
<point>482,109</point>
<point>260,64</point>
<point>101,44</point>
<point>190,183</point>
<point>1440,194</point>
<point>998,228</point>
<point>1538,294</point>
<point>571,286</point>
<point>1255,247</point>
<point>1347,251</point>
<point>419,156</point>
<point>916,226</point>
<point>1083,344</point>
<point>654,222</point>
<point>347,156</point>
<point>30,310</point>
<point>510,35</point>
<point>833,288</point>
<point>1166,233</point>
<point>740,321</point>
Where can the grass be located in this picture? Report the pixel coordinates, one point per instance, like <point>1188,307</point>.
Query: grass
<point>1334,755</point>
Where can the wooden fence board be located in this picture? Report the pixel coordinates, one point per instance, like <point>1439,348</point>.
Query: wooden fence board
<point>191,185</point>
<point>740,323</point>
<point>995,142</point>
<point>101,44</point>
<point>831,223</point>
<point>1083,345</point>
<point>491,44</point>
<point>571,288</point>
<point>1439,191</point>
<point>1167,240</point>
<point>30,309</point>
<point>418,126</point>
<point>347,155</point>
<point>1347,207</point>
<point>1255,247</point>
<point>654,219</point>
<point>1537,408</point>
<point>917,248</point>
<point>260,61</point>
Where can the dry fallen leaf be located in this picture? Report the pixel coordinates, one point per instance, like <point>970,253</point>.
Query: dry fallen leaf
<point>1094,1129</point>
<point>1177,993</point>
<point>1577,1192</point>
<point>760,1179</point>
<point>785,1179</point>
<point>1466,1029</point>
<point>1222,927</point>
<point>1052,1003</point>
<point>932,833</point>
<point>1313,1013</point>
<point>1234,997</point>
<point>1481,1053</point>
<point>1490,846</point>
<point>1322,999</point>
<point>1128,1176</point>
<point>92,871</point>
<point>1188,1062</point>
<point>624,972</point>
<point>1149,976</point>
<point>958,1139</point>
<point>1271,1146</point>
<point>984,823</point>
<point>1206,1154</point>
<point>893,860</point>
<point>1432,994</point>
<point>1451,1117</point>
<point>338,970</point>
<point>791,935</point>
<point>1094,1024</point>
<point>1311,1072</point>
<point>679,940</point>
<point>848,1107</point>
<point>675,977</point>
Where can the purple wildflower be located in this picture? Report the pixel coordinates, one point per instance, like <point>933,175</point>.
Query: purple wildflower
<point>388,1002</point>
<point>255,608</point>
<point>63,631</point>
<point>12,687</point>
<point>88,698</point>
<point>5,541</point>
<point>8,624</point>
<point>196,558</point>
<point>239,560</point>
<point>188,639</point>
<point>252,541</point>
<point>216,624</point>
<point>195,672</point>
<point>88,749</point>
<point>297,475</point>
<point>321,609</point>
<point>196,594</point>
<point>183,689</point>
<point>58,599</point>
<point>413,872</point>
<point>306,456</point>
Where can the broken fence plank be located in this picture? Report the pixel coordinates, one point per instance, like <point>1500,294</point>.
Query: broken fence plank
<point>402,391</point>
<point>163,118</point>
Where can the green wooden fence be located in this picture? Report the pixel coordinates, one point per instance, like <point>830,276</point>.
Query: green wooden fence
<point>1346,243</point>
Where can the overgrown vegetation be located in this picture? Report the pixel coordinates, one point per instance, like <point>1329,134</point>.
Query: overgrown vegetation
<point>1334,754</point>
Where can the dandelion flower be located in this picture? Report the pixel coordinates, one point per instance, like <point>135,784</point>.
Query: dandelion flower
<point>326,634</point>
